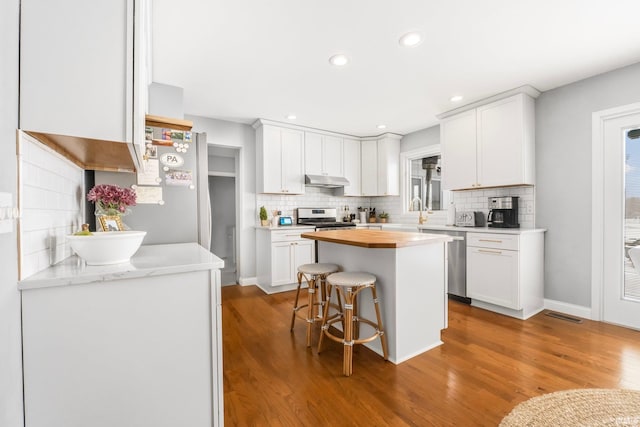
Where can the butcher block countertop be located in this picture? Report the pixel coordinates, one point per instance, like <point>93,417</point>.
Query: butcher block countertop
<point>376,239</point>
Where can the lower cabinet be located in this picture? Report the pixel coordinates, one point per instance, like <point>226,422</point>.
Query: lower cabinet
<point>143,351</point>
<point>505,272</point>
<point>280,252</point>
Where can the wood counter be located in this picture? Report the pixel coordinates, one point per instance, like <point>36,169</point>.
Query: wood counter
<point>376,238</point>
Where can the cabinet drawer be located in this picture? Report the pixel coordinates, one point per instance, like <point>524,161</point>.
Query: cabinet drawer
<point>494,241</point>
<point>289,235</point>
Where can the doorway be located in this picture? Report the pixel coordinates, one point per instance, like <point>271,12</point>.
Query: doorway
<point>223,163</point>
<point>616,216</point>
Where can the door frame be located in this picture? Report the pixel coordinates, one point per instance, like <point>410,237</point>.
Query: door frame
<point>599,119</point>
<point>239,205</point>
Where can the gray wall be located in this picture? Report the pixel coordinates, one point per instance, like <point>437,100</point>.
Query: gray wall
<point>420,138</point>
<point>229,134</point>
<point>166,100</point>
<point>10,347</point>
<point>563,176</point>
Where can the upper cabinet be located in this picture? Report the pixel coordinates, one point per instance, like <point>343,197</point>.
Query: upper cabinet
<point>389,166</point>
<point>323,154</point>
<point>83,69</point>
<point>491,145</point>
<point>369,168</point>
<point>351,159</point>
<point>279,160</point>
<point>285,154</point>
<point>380,166</point>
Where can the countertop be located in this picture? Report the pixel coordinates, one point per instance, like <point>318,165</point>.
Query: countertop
<point>376,238</point>
<point>435,227</point>
<point>285,227</point>
<point>152,260</point>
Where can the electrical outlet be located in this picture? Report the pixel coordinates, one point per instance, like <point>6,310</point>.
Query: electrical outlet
<point>528,207</point>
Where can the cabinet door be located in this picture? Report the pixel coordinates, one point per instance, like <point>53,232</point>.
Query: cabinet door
<point>388,167</point>
<point>292,161</point>
<point>282,263</point>
<point>312,153</point>
<point>304,253</point>
<point>458,139</point>
<point>369,168</point>
<point>76,70</point>
<point>501,142</point>
<point>351,157</point>
<point>332,156</point>
<point>271,150</point>
<point>492,276</point>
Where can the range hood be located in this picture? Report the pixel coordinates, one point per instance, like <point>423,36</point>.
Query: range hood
<point>325,181</point>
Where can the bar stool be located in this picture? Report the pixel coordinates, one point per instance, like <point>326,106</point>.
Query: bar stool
<point>349,285</point>
<point>315,276</point>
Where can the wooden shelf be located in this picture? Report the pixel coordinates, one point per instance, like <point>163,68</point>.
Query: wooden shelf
<point>166,122</point>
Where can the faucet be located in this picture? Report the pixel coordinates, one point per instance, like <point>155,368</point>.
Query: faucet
<point>421,219</point>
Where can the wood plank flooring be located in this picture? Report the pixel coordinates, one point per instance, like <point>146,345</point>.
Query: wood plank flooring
<point>487,365</point>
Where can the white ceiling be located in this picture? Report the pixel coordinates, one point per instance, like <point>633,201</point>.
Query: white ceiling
<point>240,60</point>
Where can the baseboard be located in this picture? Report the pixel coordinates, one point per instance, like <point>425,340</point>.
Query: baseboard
<point>566,308</point>
<point>244,281</point>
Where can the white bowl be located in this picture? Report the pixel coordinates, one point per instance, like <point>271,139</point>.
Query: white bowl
<point>107,247</point>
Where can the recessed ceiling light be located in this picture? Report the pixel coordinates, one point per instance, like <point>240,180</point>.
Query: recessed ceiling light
<point>382,126</point>
<point>291,117</point>
<point>339,60</point>
<point>412,38</point>
<point>456,98</point>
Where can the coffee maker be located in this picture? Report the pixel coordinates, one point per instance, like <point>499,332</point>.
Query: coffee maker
<point>503,212</point>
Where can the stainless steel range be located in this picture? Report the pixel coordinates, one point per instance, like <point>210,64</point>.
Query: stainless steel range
<point>322,219</point>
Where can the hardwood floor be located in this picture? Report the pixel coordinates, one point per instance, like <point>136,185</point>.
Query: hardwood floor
<point>487,365</point>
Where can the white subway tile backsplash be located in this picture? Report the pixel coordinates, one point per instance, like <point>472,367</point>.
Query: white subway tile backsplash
<point>51,203</point>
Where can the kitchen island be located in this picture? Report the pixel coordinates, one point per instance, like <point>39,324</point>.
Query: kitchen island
<point>411,271</point>
<point>137,343</point>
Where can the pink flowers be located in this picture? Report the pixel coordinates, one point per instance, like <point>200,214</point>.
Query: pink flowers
<point>112,199</point>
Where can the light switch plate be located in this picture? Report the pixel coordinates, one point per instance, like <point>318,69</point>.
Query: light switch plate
<point>6,202</point>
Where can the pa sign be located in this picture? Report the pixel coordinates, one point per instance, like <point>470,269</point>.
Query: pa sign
<point>172,159</point>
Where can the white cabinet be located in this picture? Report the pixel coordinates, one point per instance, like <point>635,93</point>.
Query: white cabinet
<point>505,272</point>
<point>380,163</point>
<point>125,347</point>
<point>279,160</point>
<point>458,136</point>
<point>388,166</point>
<point>323,155</point>
<point>490,146</point>
<point>369,168</point>
<point>280,252</point>
<point>82,69</point>
<point>352,167</point>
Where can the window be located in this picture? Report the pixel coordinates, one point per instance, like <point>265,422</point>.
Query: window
<point>422,177</point>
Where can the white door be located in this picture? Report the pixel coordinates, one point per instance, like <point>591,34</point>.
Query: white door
<point>281,263</point>
<point>458,140</point>
<point>621,192</point>
<point>500,141</point>
<point>292,161</point>
<point>369,168</point>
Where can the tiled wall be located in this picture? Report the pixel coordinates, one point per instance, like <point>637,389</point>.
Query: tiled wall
<point>468,200</point>
<point>477,200</point>
<point>314,197</point>
<point>51,198</point>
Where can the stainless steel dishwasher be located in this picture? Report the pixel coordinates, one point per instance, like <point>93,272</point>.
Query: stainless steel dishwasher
<point>457,271</point>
